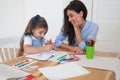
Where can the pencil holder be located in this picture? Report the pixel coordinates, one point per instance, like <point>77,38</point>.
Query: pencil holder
<point>89,52</point>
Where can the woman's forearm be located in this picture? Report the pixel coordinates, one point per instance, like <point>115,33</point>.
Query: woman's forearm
<point>78,36</point>
<point>66,46</point>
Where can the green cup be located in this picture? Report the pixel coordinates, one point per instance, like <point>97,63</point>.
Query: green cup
<point>89,52</point>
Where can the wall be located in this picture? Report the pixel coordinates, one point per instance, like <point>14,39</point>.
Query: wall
<point>11,18</point>
<point>106,13</point>
<point>49,10</point>
<point>15,15</point>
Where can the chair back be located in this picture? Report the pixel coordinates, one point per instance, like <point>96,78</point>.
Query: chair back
<point>9,48</point>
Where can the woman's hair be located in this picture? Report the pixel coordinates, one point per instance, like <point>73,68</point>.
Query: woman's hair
<point>68,29</point>
<point>35,22</point>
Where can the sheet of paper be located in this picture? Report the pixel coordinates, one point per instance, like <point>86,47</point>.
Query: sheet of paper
<point>63,71</point>
<point>58,54</point>
<point>41,56</point>
<point>45,55</point>
<point>108,63</point>
<point>10,72</point>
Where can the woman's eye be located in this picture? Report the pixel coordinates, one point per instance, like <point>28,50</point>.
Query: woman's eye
<point>71,15</point>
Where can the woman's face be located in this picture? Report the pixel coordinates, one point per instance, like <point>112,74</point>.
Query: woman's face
<point>39,32</point>
<point>72,16</point>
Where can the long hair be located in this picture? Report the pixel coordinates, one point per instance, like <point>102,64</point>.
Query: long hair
<point>35,22</point>
<point>68,29</point>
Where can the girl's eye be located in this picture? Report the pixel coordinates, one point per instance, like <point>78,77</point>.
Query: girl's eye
<point>40,32</point>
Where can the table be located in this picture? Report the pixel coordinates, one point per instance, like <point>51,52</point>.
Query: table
<point>96,74</point>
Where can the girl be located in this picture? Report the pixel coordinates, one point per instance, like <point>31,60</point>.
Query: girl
<point>76,28</point>
<point>33,39</point>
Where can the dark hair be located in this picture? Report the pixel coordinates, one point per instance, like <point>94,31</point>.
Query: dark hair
<point>68,29</point>
<point>35,22</point>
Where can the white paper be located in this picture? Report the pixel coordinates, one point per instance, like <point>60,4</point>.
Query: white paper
<point>58,54</point>
<point>45,55</point>
<point>10,72</point>
<point>63,71</point>
<point>41,56</point>
<point>107,63</point>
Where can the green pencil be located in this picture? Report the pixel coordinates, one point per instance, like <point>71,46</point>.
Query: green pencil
<point>62,57</point>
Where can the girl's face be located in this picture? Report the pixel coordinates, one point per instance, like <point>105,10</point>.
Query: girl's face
<point>72,16</point>
<point>39,32</point>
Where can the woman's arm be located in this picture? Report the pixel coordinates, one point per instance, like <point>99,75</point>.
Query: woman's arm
<point>78,35</point>
<point>75,49</point>
<point>59,39</point>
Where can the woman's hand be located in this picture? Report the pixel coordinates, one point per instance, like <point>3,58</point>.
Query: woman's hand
<point>75,49</point>
<point>76,24</point>
<point>79,51</point>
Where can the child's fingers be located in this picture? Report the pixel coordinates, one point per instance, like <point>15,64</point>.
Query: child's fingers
<point>51,41</point>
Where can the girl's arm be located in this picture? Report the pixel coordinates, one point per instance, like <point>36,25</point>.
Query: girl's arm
<point>30,49</point>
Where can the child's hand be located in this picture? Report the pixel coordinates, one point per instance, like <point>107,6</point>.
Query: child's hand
<point>48,47</point>
<point>55,48</point>
<point>49,42</point>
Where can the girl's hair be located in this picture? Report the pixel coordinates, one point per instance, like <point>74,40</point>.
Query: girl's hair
<point>35,22</point>
<point>68,29</point>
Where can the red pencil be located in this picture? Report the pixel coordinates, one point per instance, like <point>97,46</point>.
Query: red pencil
<point>51,41</point>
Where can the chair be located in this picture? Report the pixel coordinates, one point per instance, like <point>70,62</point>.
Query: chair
<point>9,48</point>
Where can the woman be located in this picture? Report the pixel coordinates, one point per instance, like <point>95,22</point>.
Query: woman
<point>76,28</point>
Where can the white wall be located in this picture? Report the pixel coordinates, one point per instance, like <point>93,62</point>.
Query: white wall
<point>11,18</point>
<point>107,16</point>
<point>15,15</point>
<point>51,11</point>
